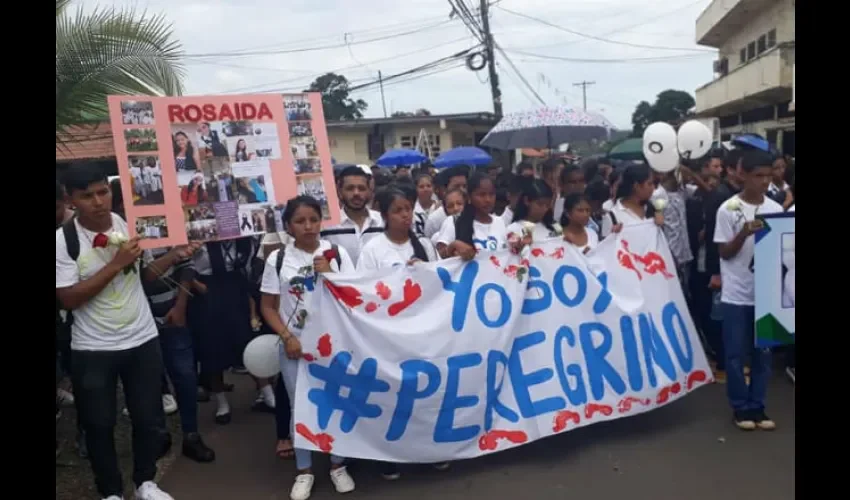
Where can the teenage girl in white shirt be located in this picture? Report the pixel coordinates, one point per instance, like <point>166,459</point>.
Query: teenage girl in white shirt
<point>633,195</point>
<point>476,228</point>
<point>285,306</point>
<point>425,202</point>
<point>574,221</point>
<point>535,207</point>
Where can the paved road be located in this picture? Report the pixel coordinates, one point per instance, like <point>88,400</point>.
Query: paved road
<point>686,451</point>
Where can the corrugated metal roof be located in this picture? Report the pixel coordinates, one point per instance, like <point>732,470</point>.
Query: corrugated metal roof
<point>86,142</point>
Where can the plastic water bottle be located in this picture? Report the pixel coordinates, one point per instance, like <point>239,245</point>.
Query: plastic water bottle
<point>716,310</point>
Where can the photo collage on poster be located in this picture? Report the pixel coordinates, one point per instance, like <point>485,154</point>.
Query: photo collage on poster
<point>305,153</point>
<point>137,120</point>
<point>224,177</point>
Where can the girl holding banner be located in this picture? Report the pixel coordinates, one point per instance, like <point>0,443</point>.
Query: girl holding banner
<point>476,228</point>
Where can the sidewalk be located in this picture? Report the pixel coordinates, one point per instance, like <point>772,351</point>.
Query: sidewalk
<point>688,450</point>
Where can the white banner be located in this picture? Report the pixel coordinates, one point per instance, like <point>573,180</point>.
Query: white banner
<point>451,360</point>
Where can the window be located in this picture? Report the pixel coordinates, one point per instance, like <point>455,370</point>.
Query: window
<point>751,50</point>
<point>412,141</point>
<point>762,44</point>
<point>408,141</point>
<point>743,55</point>
<point>771,38</point>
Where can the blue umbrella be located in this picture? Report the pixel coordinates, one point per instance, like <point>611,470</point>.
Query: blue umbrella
<point>753,141</point>
<point>465,155</point>
<point>396,157</point>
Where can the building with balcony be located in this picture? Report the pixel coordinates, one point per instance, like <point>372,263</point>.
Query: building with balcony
<point>753,88</point>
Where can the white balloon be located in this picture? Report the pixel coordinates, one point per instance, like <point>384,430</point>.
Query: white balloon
<point>694,140</point>
<point>261,357</point>
<point>659,147</point>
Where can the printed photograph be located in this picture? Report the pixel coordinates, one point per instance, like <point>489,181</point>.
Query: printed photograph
<point>308,166</point>
<point>220,187</point>
<point>315,186</point>
<point>304,147</point>
<point>137,113</point>
<point>298,109</point>
<point>146,180</point>
<point>300,129</point>
<point>152,227</point>
<point>242,149</point>
<point>237,128</point>
<point>789,270</point>
<point>196,142</point>
<point>195,191</point>
<point>246,222</point>
<point>202,230</point>
<point>140,140</point>
<point>266,142</point>
<point>252,190</point>
<point>202,212</point>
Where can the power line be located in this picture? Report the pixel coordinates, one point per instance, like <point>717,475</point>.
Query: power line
<point>604,61</point>
<point>583,84</point>
<point>520,76</point>
<point>598,38</point>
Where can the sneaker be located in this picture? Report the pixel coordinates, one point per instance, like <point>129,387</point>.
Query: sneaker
<point>195,449</point>
<point>442,466</point>
<point>169,404</point>
<point>303,487</point>
<point>64,398</point>
<point>792,374</point>
<point>744,420</point>
<point>150,491</point>
<point>390,471</point>
<point>342,480</point>
<point>261,405</point>
<point>764,422</point>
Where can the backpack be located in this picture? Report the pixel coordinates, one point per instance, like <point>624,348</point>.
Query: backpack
<point>72,244</point>
<point>281,253</point>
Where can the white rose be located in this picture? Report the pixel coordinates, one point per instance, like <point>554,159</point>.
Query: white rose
<point>660,204</point>
<point>733,205</point>
<point>116,238</point>
<point>528,226</point>
<point>557,228</point>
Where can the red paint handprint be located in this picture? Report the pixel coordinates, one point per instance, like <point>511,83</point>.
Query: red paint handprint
<point>383,291</point>
<point>490,440</point>
<point>558,253</point>
<point>348,295</point>
<point>495,261</point>
<point>371,307</point>
<point>537,252</point>
<point>322,440</point>
<point>563,417</point>
<point>593,408</point>
<point>695,377</point>
<point>666,392</point>
<point>511,270</point>
<point>411,292</point>
<point>308,357</point>
<point>325,347</point>
<point>625,404</point>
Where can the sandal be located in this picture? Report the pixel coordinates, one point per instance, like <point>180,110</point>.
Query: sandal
<point>284,450</point>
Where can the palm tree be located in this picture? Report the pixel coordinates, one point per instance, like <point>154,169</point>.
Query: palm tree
<point>106,52</point>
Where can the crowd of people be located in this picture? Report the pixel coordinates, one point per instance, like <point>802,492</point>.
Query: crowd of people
<point>151,318</point>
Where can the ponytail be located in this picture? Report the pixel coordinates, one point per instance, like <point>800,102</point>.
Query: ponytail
<point>463,224</point>
<point>418,249</point>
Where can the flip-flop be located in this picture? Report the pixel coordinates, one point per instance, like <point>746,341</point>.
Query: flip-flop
<point>284,450</point>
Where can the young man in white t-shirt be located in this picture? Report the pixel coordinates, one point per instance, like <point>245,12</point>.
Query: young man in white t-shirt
<point>113,333</point>
<point>736,224</point>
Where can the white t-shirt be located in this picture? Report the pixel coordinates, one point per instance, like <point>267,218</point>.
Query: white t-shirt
<point>435,222</point>
<point>592,241</point>
<point>381,253</point>
<point>737,273</point>
<point>539,233</point>
<point>117,318</point>
<point>623,215</point>
<point>420,217</point>
<point>792,208</point>
<point>296,281</point>
<point>508,216</point>
<point>489,237</point>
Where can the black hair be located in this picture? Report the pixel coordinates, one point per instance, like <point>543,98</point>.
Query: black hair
<point>792,186</point>
<point>534,191</point>
<point>789,172</point>
<point>591,169</point>
<point>550,166</point>
<point>385,199</point>
<point>567,171</point>
<point>420,175</point>
<point>117,196</point>
<point>714,153</point>
<point>524,166</point>
<point>406,186</point>
<point>615,175</point>
<point>60,191</point>
<point>352,171</point>
<point>79,177</point>
<point>731,160</point>
<point>754,158</point>
<point>597,191</point>
<point>463,224</point>
<point>570,202</point>
<point>458,190</point>
<point>516,184</point>
<point>295,203</point>
<point>633,174</point>
<point>501,195</point>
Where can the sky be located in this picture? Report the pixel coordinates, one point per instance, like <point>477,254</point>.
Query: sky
<point>631,49</point>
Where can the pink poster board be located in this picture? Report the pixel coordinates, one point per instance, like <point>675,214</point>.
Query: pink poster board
<point>219,167</point>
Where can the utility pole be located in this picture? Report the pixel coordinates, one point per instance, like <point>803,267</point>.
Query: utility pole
<point>491,59</point>
<point>381,84</point>
<point>583,85</point>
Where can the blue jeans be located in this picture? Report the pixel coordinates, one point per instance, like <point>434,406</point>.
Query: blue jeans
<point>739,343</point>
<point>178,355</point>
<point>289,370</point>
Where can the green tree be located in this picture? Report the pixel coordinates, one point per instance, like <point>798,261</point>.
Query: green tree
<point>671,106</point>
<point>335,98</point>
<point>110,51</point>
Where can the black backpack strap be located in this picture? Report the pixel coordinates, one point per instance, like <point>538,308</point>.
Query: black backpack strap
<point>72,238</point>
<point>278,263</point>
<point>338,259</point>
<point>613,217</point>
